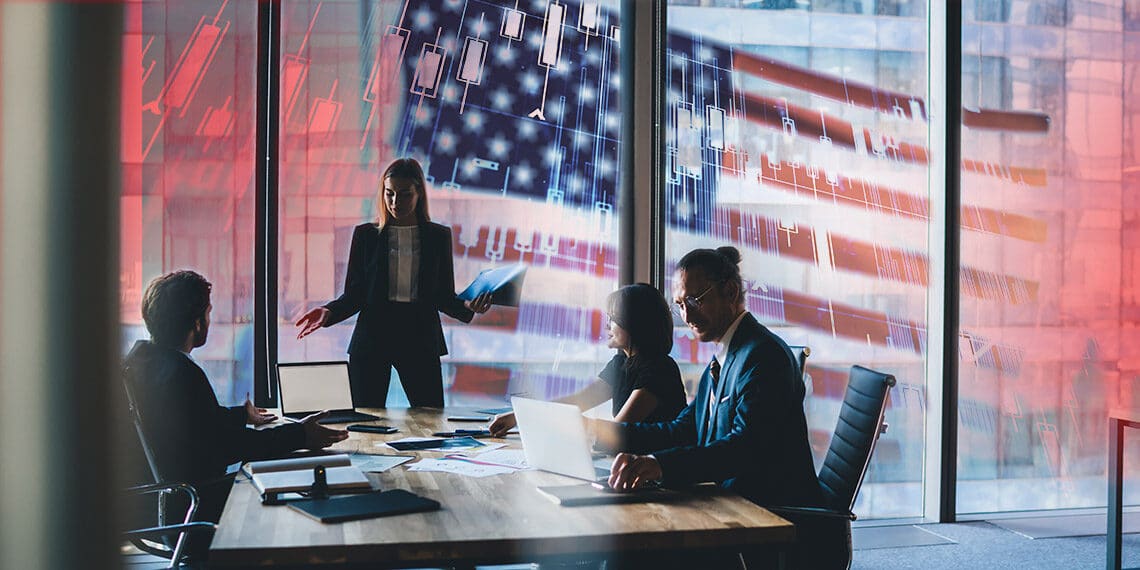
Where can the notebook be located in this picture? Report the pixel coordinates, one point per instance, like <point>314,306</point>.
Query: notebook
<point>296,463</point>
<point>309,387</point>
<point>365,506</point>
<point>343,478</point>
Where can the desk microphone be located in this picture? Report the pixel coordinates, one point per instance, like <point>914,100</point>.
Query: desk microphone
<point>320,488</point>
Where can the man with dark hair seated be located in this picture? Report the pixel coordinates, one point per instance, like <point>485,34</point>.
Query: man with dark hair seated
<point>192,439</point>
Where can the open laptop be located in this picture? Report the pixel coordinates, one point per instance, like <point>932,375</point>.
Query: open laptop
<point>554,439</point>
<point>310,387</point>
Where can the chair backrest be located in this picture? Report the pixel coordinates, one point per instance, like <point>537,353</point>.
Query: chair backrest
<point>802,353</point>
<point>858,428</point>
<point>136,419</point>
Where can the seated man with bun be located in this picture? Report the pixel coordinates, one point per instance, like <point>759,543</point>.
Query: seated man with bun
<point>745,429</point>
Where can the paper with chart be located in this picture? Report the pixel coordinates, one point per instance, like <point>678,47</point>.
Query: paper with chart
<point>513,458</point>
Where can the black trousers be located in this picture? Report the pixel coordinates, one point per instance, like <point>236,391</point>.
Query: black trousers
<point>420,375</point>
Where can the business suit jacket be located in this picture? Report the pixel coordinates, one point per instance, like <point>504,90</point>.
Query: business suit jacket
<point>191,438</point>
<point>366,292</point>
<point>756,443</point>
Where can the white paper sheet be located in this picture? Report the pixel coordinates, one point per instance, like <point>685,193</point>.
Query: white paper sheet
<point>459,467</point>
<point>513,458</point>
<point>378,463</point>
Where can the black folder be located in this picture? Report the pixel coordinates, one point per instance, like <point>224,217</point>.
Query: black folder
<point>503,283</point>
<point>364,506</point>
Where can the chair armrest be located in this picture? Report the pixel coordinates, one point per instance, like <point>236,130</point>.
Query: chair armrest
<point>139,537</point>
<point>160,487</point>
<point>813,511</point>
<point>191,493</point>
<point>168,530</point>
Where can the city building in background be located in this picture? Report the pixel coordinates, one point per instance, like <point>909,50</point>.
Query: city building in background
<point>797,131</point>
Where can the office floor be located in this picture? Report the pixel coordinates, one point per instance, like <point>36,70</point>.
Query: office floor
<point>982,545</point>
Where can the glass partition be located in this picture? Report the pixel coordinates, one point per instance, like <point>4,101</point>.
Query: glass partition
<point>513,109</point>
<point>797,132</point>
<point>188,97</point>
<point>1049,157</point>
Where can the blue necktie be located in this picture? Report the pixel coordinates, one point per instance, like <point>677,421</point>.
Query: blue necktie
<point>714,375</point>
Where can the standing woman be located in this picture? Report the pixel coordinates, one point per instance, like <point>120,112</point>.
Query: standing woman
<point>400,276</point>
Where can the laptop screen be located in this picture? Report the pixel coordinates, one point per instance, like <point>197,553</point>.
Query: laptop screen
<point>312,387</point>
<point>554,437</point>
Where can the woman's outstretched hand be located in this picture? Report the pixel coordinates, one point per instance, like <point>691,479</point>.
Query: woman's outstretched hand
<point>502,424</point>
<point>311,321</point>
<point>479,304</point>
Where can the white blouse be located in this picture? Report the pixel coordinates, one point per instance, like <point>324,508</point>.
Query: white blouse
<point>403,262</point>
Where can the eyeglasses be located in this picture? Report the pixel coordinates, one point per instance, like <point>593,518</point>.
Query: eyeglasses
<point>691,302</point>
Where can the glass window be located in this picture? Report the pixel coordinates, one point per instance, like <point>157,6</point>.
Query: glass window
<point>1047,167</point>
<point>513,110</point>
<point>798,135</point>
<point>187,201</point>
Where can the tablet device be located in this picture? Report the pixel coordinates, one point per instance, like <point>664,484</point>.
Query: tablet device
<point>364,428</point>
<point>584,494</point>
<point>494,411</point>
<point>463,433</point>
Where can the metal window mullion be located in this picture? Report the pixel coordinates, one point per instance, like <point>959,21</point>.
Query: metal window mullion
<point>266,169</point>
<point>641,199</point>
<point>945,114</point>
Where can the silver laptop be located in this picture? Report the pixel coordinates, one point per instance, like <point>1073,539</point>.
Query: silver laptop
<point>309,387</point>
<point>554,439</point>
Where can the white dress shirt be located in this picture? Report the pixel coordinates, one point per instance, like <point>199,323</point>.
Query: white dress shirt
<point>721,354</point>
<point>403,262</point>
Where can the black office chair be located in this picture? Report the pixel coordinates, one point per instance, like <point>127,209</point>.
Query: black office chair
<point>856,432</point>
<point>165,540</point>
<point>802,353</point>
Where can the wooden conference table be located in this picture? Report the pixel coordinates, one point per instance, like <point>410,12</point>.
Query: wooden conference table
<point>496,519</point>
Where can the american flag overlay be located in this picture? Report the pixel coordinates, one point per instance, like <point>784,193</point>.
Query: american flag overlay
<point>797,132</point>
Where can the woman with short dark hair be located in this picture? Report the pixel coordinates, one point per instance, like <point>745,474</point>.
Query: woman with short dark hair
<point>642,379</point>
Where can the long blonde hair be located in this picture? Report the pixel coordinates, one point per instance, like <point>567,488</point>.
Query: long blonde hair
<point>410,169</point>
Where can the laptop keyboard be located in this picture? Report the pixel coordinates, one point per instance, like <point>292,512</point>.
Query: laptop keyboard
<point>602,469</point>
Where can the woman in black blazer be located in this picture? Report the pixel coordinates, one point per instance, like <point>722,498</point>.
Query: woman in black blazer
<point>400,276</point>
